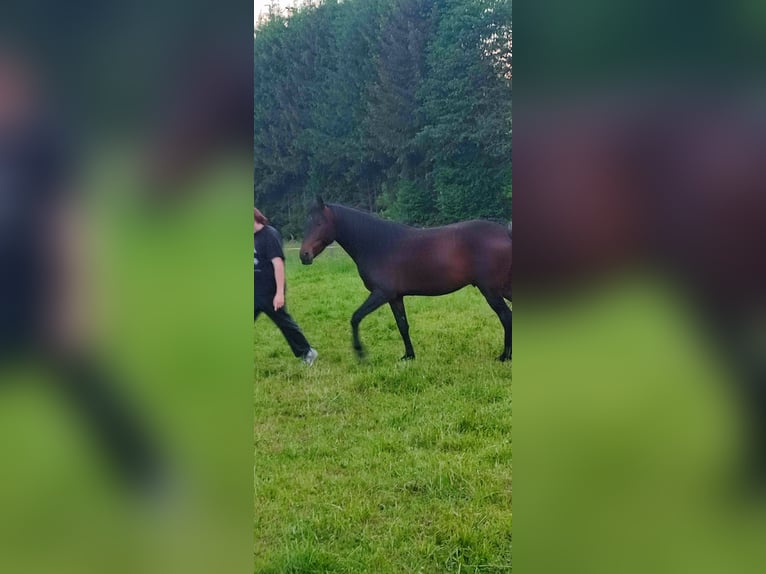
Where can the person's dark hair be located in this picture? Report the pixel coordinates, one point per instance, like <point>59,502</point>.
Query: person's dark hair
<point>259,217</point>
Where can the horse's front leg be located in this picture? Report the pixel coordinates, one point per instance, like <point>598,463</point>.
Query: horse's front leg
<point>374,301</point>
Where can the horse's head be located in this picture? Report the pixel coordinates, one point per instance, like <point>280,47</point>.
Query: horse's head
<point>318,233</point>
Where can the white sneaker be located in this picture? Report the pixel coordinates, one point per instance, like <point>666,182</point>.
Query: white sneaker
<point>310,357</point>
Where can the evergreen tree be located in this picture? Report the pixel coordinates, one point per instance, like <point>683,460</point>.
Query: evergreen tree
<point>467,101</point>
<point>398,105</point>
<point>394,114</point>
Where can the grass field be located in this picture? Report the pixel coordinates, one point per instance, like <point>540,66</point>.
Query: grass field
<point>381,465</point>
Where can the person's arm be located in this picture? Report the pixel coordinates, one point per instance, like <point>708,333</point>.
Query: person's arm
<point>279,276</point>
<point>69,316</point>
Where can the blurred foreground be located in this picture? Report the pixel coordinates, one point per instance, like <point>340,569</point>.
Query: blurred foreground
<point>125,356</point>
<point>640,226</point>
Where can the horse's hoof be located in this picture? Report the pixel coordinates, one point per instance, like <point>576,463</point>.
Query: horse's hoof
<point>360,353</point>
<point>407,358</point>
<point>503,358</point>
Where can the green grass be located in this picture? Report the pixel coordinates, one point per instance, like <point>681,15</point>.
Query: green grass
<point>381,465</point>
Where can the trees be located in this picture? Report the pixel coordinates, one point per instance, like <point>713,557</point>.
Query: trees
<point>467,103</point>
<point>395,116</point>
<point>401,106</point>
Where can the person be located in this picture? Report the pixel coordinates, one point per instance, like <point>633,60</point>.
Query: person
<point>269,286</point>
<point>43,299</point>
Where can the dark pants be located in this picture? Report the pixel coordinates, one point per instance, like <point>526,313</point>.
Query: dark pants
<point>88,388</point>
<point>290,329</point>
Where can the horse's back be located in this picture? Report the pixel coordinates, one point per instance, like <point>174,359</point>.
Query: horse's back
<point>443,259</point>
<point>491,249</point>
<point>484,237</point>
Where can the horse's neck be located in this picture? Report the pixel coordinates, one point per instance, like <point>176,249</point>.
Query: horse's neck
<point>361,234</point>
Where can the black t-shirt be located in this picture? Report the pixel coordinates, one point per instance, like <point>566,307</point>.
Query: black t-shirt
<point>35,168</point>
<point>267,244</point>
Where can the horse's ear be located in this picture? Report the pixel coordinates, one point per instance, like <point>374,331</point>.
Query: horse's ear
<point>320,202</point>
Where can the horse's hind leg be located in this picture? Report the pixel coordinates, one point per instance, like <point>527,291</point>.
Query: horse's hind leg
<point>505,315</point>
<point>397,306</point>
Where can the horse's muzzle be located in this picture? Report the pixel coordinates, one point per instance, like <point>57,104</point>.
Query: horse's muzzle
<point>306,258</point>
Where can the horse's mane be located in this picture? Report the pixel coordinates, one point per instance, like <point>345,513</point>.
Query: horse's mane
<point>369,231</point>
<point>358,216</point>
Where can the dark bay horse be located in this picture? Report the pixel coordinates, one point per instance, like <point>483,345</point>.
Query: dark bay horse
<point>396,260</point>
<point>675,183</point>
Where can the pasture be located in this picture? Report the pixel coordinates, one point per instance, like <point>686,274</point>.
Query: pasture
<point>381,465</point>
